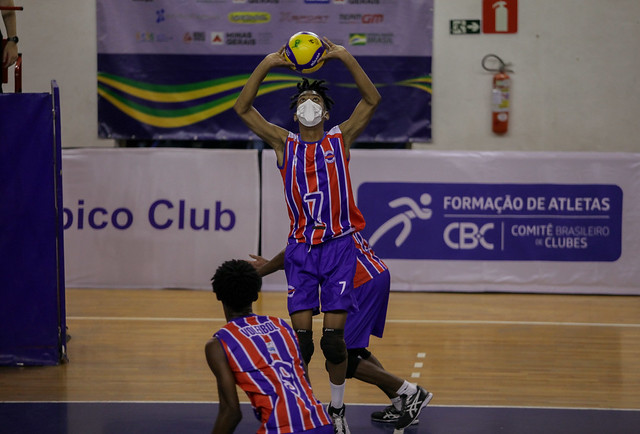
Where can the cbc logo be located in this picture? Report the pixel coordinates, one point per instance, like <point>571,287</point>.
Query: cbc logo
<point>467,236</point>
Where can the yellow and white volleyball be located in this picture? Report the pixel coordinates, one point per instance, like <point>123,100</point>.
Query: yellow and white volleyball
<point>306,51</point>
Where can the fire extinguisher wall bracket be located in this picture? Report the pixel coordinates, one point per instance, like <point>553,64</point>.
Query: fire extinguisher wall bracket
<point>499,93</point>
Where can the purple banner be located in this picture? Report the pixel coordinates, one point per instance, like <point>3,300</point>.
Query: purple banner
<point>173,69</point>
<point>520,222</point>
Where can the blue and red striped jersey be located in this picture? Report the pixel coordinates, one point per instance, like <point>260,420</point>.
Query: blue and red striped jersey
<point>368,264</point>
<point>265,359</point>
<point>317,189</point>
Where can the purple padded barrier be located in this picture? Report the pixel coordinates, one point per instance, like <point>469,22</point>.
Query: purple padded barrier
<point>32,316</point>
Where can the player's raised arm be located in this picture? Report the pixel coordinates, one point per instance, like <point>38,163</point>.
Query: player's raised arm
<point>272,134</point>
<point>366,107</point>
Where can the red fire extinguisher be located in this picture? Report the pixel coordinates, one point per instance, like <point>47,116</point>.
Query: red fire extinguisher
<point>499,94</point>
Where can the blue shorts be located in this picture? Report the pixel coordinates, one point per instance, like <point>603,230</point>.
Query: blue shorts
<point>372,298</point>
<point>321,275</point>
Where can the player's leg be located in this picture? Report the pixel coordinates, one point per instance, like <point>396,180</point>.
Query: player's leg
<point>364,366</point>
<point>302,297</point>
<point>407,400</point>
<point>337,267</point>
<point>335,352</point>
<point>373,298</point>
<point>333,345</point>
<point>302,323</point>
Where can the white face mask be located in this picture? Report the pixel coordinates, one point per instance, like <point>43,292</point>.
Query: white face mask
<point>309,113</point>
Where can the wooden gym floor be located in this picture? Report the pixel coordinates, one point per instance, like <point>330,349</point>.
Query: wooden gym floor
<point>474,351</point>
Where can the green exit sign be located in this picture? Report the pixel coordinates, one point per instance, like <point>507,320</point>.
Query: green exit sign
<point>464,27</point>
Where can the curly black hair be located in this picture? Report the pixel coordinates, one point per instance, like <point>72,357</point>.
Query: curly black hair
<point>317,86</point>
<point>236,283</point>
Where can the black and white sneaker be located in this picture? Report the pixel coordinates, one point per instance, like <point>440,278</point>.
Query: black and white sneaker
<point>389,414</point>
<point>411,407</point>
<point>339,422</point>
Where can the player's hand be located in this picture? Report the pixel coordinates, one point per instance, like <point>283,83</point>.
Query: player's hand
<point>333,51</point>
<point>10,55</point>
<point>258,261</point>
<point>279,59</point>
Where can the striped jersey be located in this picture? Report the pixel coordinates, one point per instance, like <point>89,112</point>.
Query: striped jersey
<point>368,264</point>
<point>317,189</point>
<point>265,359</point>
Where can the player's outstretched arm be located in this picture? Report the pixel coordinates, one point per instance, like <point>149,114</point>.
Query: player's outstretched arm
<point>272,134</point>
<point>265,267</point>
<point>229,414</point>
<point>366,107</point>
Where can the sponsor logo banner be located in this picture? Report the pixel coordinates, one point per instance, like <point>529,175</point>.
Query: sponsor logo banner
<point>488,221</point>
<point>157,218</point>
<point>172,70</point>
<point>550,222</point>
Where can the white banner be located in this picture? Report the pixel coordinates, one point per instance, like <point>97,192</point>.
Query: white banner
<point>489,221</point>
<point>157,218</point>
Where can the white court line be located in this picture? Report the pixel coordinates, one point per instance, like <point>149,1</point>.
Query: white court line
<point>389,321</point>
<point>542,323</point>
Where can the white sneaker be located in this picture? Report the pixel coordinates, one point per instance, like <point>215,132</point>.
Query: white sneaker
<point>340,425</point>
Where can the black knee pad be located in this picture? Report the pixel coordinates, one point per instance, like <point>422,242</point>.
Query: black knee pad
<point>333,346</point>
<point>305,340</point>
<point>353,359</point>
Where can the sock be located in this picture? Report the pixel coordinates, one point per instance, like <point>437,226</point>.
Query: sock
<point>397,403</point>
<point>407,389</point>
<point>337,394</point>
